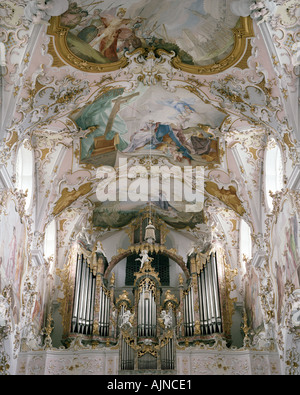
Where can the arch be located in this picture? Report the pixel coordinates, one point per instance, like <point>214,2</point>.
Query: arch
<point>125,253</point>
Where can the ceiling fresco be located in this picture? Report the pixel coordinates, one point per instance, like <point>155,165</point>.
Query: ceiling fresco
<point>181,127</point>
<point>180,82</point>
<point>118,215</point>
<point>100,33</point>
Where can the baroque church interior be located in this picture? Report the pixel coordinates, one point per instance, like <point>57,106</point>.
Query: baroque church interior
<point>149,187</point>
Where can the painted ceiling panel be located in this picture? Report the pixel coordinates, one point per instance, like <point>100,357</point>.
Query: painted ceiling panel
<point>199,31</point>
<point>176,80</point>
<point>179,127</point>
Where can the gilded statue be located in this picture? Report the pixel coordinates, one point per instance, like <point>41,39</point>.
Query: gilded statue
<point>68,197</point>
<point>227,196</point>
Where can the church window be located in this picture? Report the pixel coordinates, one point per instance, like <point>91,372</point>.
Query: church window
<point>273,171</point>
<point>24,172</point>
<point>245,241</point>
<point>50,241</point>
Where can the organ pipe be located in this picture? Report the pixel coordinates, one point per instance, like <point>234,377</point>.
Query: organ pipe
<point>209,301</point>
<point>127,356</point>
<point>104,312</point>
<point>216,292</point>
<point>84,298</point>
<point>168,355</point>
<point>146,312</point>
<point>189,319</point>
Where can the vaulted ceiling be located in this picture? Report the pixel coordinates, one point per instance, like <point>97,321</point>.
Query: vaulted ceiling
<point>158,83</point>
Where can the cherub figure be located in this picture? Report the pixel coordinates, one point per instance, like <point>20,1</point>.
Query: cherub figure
<point>167,318</point>
<point>144,258</point>
<point>125,319</point>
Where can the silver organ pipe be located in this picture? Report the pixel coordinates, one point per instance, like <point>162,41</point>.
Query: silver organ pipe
<point>185,315</point>
<point>208,293</point>
<point>82,295</point>
<point>209,300</point>
<point>167,356</point>
<point>146,312</point>
<point>101,312</point>
<point>146,320</point>
<point>216,292</point>
<point>189,319</point>
<point>84,301</point>
<point>140,318</point>
<point>203,301</point>
<point>104,312</point>
<point>213,324</point>
<point>127,356</point>
<point>153,314</point>
<point>192,313</point>
<point>84,298</point>
<point>76,293</point>
<point>201,310</point>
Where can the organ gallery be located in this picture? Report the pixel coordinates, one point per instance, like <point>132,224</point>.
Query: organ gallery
<point>149,189</point>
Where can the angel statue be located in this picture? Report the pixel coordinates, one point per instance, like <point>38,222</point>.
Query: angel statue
<point>167,318</point>
<point>144,258</point>
<point>125,319</point>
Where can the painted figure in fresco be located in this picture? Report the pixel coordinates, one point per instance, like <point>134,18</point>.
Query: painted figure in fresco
<point>116,27</point>
<point>95,25</point>
<point>178,133</point>
<point>103,115</point>
<point>177,139</point>
<point>141,138</point>
<point>155,134</point>
<point>73,16</point>
<point>197,139</point>
<point>159,25</point>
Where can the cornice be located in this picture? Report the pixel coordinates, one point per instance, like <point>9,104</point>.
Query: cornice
<point>258,258</point>
<point>38,256</point>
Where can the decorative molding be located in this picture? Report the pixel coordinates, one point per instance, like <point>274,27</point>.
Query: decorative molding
<point>196,360</point>
<point>221,361</point>
<point>79,360</point>
<point>150,67</point>
<point>258,258</point>
<point>38,257</point>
